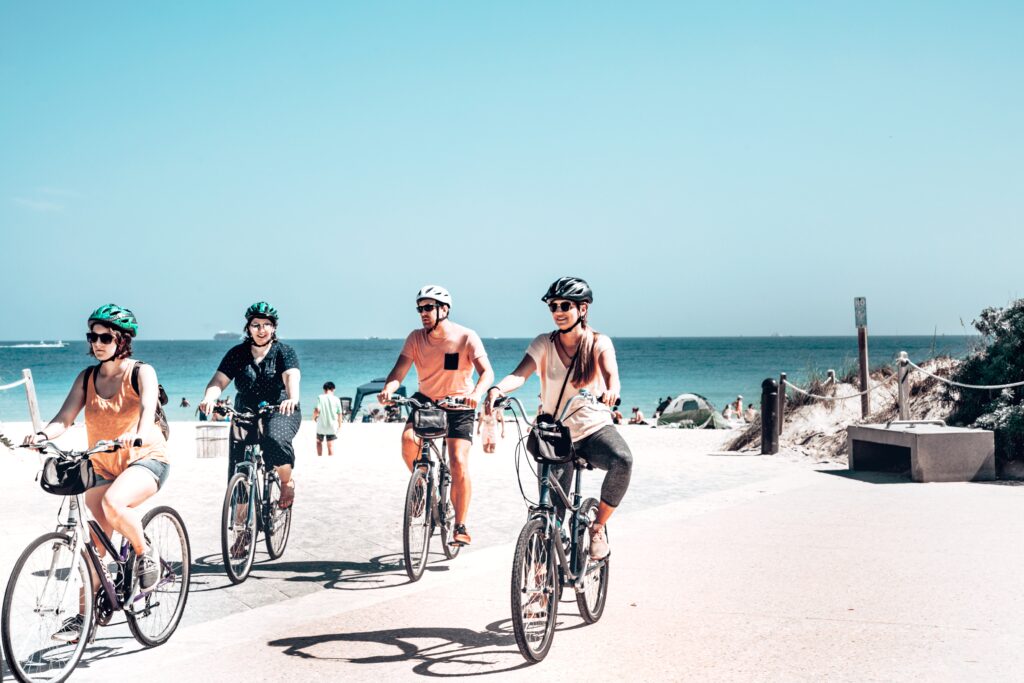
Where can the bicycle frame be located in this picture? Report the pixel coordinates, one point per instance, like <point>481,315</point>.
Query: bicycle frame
<point>253,468</point>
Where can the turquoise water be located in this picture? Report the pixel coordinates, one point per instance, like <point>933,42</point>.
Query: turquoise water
<point>717,367</point>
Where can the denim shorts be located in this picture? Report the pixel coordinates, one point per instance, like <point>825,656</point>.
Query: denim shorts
<point>159,470</point>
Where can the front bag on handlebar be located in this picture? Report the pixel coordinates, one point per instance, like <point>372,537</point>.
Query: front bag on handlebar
<point>67,477</point>
<point>248,431</point>
<point>430,423</point>
<point>549,440</point>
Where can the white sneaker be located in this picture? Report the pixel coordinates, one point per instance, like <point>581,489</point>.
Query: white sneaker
<point>598,543</point>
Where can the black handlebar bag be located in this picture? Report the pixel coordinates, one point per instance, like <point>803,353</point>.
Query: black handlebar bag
<point>67,477</point>
<point>549,440</point>
<point>248,431</point>
<point>430,423</point>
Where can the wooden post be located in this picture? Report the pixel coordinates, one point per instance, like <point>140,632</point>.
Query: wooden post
<point>781,410</point>
<point>860,307</point>
<point>33,404</point>
<point>769,404</point>
<point>903,397</point>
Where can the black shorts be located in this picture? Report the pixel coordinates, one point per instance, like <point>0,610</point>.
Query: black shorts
<point>460,422</point>
<point>326,437</point>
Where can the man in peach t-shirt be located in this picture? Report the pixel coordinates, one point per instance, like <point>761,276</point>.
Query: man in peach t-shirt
<point>445,355</point>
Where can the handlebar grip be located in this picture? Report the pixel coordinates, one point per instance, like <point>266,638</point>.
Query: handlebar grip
<point>137,443</point>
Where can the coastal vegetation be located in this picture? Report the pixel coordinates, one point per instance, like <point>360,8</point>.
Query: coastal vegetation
<point>998,359</point>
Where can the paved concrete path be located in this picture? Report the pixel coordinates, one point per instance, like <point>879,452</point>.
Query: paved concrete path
<point>724,567</point>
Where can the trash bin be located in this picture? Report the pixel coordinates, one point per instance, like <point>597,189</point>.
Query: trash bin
<point>212,440</point>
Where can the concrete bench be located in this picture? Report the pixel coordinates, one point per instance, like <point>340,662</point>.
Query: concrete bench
<point>932,452</point>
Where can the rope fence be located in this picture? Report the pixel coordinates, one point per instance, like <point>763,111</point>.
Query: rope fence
<point>30,395</point>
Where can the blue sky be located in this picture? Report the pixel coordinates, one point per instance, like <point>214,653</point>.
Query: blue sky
<point>715,169</point>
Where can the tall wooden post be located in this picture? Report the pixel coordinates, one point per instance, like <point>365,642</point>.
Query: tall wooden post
<point>860,309</point>
<point>781,410</point>
<point>903,397</point>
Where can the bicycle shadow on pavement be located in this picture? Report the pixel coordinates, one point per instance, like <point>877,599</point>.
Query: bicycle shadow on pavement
<point>382,571</point>
<point>451,652</point>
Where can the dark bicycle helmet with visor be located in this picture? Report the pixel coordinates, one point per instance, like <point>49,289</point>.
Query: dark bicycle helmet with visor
<point>571,289</point>
<point>117,317</point>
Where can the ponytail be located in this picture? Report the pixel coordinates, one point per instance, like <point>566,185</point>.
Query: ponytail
<point>586,361</point>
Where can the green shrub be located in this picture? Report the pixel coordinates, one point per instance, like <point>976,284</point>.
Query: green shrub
<point>999,359</point>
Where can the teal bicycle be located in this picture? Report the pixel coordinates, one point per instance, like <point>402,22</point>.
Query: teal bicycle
<point>550,555</point>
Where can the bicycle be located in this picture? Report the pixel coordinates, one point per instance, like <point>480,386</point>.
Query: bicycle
<point>61,579</point>
<point>548,557</point>
<point>429,481</point>
<point>251,505</point>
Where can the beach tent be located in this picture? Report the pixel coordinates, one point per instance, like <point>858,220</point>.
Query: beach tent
<point>370,389</point>
<point>688,411</point>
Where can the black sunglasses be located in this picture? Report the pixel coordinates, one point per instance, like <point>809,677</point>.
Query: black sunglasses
<point>426,308</point>
<point>103,337</point>
<point>562,306</point>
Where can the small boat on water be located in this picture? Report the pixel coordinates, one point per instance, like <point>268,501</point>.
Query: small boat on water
<point>41,345</point>
<point>224,335</point>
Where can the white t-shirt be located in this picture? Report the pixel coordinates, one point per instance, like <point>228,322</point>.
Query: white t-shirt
<point>583,419</point>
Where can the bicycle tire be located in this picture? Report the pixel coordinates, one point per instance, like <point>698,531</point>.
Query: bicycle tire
<point>37,663</point>
<point>534,598</point>
<point>157,618</point>
<point>594,594</point>
<point>278,523</point>
<point>239,494</point>
<point>416,524</point>
<point>446,522</point>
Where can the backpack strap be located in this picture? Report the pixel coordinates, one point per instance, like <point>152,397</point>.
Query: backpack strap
<point>85,378</point>
<point>135,377</point>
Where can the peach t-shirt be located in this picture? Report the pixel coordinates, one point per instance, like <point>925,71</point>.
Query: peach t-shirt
<point>444,365</point>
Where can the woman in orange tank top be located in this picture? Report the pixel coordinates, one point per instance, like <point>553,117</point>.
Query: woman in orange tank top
<point>125,478</point>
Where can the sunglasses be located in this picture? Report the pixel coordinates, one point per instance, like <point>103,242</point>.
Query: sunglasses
<point>426,308</point>
<point>103,337</point>
<point>562,306</point>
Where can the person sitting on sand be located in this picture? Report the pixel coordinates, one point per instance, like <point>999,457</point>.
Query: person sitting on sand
<point>750,415</point>
<point>661,407</point>
<point>728,412</point>
<point>638,417</point>
<point>571,358</point>
<point>617,417</point>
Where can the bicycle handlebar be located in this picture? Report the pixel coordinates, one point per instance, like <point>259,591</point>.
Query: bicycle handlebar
<point>108,446</point>
<point>263,409</point>
<point>455,401</point>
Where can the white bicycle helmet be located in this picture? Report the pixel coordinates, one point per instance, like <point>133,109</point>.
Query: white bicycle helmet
<point>435,292</point>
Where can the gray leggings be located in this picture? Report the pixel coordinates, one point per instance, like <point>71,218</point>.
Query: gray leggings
<point>606,450</point>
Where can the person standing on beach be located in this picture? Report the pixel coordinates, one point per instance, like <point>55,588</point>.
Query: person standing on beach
<point>487,427</point>
<point>263,369</point>
<point>120,397</point>
<point>575,346</point>
<point>328,416</point>
<point>445,355</point>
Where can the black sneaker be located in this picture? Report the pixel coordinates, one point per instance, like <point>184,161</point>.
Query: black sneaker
<point>461,536</point>
<point>147,568</point>
<point>71,630</point>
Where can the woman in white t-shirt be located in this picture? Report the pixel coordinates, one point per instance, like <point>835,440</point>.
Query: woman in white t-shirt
<point>594,436</point>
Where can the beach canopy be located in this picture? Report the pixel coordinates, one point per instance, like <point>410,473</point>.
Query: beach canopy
<point>688,411</point>
<point>370,389</point>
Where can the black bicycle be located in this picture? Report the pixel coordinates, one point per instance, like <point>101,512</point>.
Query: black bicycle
<point>61,589</point>
<point>252,504</point>
<point>428,505</point>
<point>550,556</point>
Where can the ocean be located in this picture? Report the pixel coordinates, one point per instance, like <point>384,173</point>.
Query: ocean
<point>718,368</point>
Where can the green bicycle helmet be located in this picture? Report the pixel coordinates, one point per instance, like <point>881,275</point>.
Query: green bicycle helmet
<point>113,315</point>
<point>261,309</point>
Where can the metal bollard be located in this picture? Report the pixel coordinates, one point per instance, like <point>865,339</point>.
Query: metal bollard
<point>769,417</point>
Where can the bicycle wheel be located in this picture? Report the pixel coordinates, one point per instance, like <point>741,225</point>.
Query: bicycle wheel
<point>446,522</point>
<point>416,522</point>
<point>153,616</point>
<point>278,522</point>
<point>591,598</point>
<point>534,598</point>
<point>46,590</point>
<point>238,528</point>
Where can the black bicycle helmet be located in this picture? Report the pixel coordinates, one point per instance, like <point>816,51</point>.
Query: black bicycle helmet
<point>113,315</point>
<point>261,309</point>
<point>571,289</point>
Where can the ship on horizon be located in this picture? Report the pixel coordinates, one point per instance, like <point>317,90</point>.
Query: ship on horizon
<point>224,335</point>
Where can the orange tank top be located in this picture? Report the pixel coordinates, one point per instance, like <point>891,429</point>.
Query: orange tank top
<point>109,418</point>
